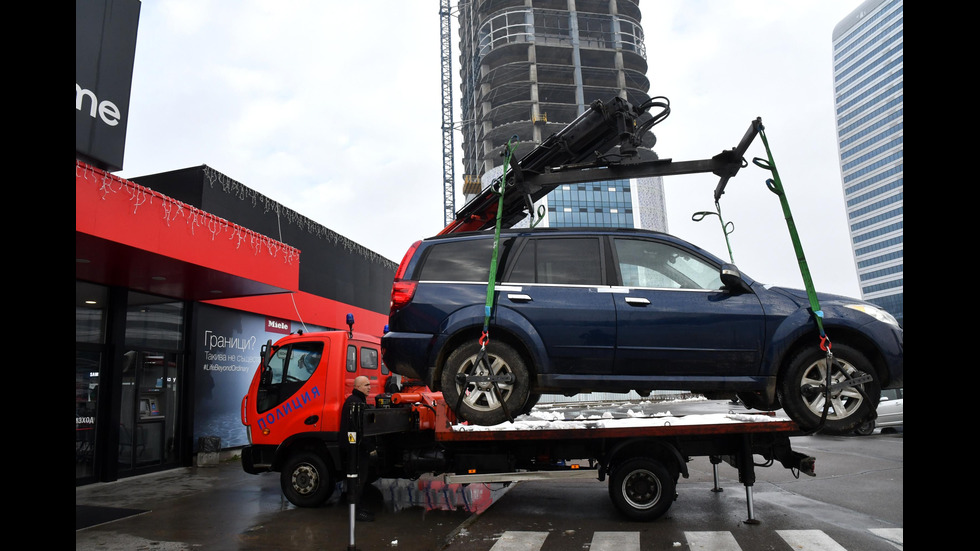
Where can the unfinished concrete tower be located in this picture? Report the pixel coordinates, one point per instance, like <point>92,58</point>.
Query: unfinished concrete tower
<point>528,68</point>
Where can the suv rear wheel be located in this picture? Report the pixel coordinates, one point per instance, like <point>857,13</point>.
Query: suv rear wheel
<point>482,404</point>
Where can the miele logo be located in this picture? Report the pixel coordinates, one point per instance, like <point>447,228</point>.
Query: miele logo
<point>277,326</point>
<point>106,111</point>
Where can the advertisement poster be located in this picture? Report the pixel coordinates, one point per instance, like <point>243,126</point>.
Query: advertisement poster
<point>230,345</point>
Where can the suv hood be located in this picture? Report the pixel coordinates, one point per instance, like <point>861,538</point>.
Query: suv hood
<point>800,297</point>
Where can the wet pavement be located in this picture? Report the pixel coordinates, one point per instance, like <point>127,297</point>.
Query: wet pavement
<point>222,507</point>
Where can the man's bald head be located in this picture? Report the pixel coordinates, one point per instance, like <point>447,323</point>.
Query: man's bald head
<point>362,383</point>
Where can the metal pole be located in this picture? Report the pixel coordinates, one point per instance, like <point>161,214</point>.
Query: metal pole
<point>715,460</point>
<point>746,473</point>
<point>353,484</point>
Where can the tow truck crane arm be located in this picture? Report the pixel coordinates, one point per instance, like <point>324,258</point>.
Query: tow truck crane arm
<point>561,159</point>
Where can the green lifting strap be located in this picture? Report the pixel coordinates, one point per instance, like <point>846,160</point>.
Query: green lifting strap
<point>726,227</point>
<point>776,186</point>
<point>488,309</point>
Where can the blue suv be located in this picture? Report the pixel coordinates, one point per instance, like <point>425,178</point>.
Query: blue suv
<point>614,310</point>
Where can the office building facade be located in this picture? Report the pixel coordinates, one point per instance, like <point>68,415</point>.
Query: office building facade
<point>530,67</point>
<point>868,99</point>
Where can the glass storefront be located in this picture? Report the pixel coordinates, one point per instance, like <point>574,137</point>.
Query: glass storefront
<point>127,409</point>
<point>90,315</point>
<point>148,410</point>
<point>86,398</point>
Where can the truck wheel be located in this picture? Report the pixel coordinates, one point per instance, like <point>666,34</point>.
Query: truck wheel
<point>865,429</point>
<point>481,405</point>
<point>848,407</point>
<point>306,480</point>
<point>642,489</point>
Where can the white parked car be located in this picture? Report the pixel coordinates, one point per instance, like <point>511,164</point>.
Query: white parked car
<point>890,412</point>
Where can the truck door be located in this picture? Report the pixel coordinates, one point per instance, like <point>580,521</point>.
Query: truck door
<point>287,394</point>
<point>674,320</point>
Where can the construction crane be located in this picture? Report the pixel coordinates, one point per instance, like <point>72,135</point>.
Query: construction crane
<point>448,169</point>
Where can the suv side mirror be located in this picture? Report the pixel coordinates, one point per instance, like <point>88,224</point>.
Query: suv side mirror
<point>732,278</point>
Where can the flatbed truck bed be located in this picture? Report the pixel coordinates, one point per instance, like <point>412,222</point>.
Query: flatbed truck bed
<point>642,457</point>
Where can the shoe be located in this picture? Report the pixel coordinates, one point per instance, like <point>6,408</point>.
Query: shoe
<point>364,516</point>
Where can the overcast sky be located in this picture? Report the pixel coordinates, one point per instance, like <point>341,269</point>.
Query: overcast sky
<point>333,109</point>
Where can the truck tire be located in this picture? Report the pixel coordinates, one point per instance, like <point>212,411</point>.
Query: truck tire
<point>642,488</point>
<point>481,404</point>
<point>865,429</point>
<point>848,407</point>
<point>306,480</point>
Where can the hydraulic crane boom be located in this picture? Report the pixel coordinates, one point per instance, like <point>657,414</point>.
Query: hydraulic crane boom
<point>583,152</point>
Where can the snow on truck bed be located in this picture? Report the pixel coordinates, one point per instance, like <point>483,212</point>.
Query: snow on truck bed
<point>547,419</point>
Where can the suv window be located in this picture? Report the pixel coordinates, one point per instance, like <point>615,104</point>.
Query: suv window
<point>464,260</point>
<point>646,263</point>
<point>562,260</point>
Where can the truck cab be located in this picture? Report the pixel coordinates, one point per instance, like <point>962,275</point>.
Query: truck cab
<point>292,409</point>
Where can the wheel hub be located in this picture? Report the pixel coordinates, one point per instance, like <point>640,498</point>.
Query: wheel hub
<point>641,489</point>
<point>305,479</point>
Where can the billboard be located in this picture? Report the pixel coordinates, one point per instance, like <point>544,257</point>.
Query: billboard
<point>105,48</point>
<point>226,356</point>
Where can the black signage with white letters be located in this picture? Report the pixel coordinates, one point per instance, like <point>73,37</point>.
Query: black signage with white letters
<point>105,48</point>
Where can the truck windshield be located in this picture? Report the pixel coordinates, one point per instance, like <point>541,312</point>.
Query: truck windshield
<point>289,367</point>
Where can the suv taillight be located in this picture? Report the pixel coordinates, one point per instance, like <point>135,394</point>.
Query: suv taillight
<point>403,291</point>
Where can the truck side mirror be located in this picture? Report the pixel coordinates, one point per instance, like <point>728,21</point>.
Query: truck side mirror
<point>266,353</point>
<point>732,279</point>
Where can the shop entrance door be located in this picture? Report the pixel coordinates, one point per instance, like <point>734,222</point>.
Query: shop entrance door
<point>148,412</point>
<point>87,368</point>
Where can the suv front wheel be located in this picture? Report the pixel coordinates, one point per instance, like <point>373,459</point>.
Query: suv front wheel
<point>482,402</point>
<point>801,392</point>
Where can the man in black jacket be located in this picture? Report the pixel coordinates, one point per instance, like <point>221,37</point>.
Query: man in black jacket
<point>357,399</point>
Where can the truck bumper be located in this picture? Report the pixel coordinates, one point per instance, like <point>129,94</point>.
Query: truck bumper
<point>257,459</point>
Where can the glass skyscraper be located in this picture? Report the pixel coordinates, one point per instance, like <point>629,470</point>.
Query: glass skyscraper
<point>868,98</point>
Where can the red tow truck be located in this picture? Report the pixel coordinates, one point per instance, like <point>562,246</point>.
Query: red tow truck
<point>292,415</point>
<point>293,407</point>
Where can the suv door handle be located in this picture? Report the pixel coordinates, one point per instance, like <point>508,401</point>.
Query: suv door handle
<point>519,298</point>
<point>637,301</point>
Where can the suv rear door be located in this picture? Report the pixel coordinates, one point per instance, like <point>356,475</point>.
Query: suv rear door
<point>557,284</point>
<point>675,321</point>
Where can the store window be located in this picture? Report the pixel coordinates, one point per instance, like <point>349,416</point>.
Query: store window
<point>90,312</point>
<point>91,305</point>
<point>150,377</point>
<point>87,365</point>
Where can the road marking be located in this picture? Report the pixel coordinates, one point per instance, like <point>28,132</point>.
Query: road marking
<point>809,540</point>
<point>894,536</point>
<point>711,541</point>
<point>615,541</point>
<point>512,540</point>
<point>799,540</point>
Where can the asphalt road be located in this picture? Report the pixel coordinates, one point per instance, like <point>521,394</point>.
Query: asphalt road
<point>855,502</point>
